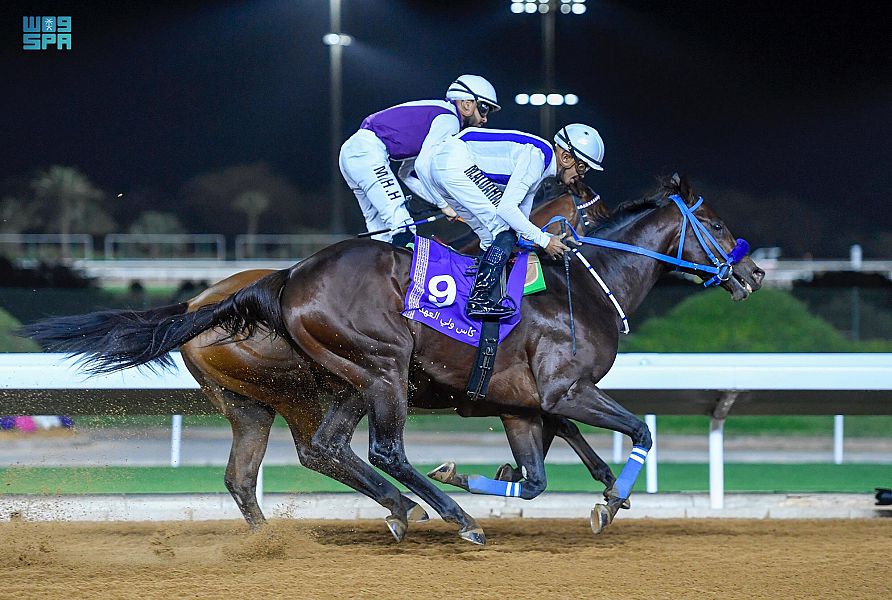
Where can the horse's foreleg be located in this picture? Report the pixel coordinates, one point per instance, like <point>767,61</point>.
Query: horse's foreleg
<point>585,403</point>
<point>387,404</point>
<point>569,432</point>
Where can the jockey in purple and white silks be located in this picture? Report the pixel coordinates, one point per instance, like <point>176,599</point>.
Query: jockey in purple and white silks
<point>490,176</point>
<point>402,132</point>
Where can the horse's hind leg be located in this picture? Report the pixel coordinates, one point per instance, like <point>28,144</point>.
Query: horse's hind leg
<point>251,422</point>
<point>525,435</point>
<point>387,401</point>
<point>518,432</point>
<point>325,448</point>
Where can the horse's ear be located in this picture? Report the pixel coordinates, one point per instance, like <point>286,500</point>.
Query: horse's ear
<point>684,187</point>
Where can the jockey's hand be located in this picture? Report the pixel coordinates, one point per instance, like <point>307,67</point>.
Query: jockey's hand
<point>449,212</point>
<point>556,246</point>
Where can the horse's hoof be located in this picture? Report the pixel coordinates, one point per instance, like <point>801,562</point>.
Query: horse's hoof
<point>444,473</point>
<point>474,535</point>
<point>505,473</point>
<point>417,514</point>
<point>600,518</point>
<point>611,496</point>
<point>397,527</point>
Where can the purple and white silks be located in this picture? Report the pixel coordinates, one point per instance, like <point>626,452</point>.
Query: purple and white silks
<point>440,288</point>
<point>404,127</point>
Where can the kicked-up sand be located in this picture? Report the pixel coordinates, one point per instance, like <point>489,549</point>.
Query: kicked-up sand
<point>524,558</point>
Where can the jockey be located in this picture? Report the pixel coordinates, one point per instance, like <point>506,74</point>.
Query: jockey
<point>401,132</point>
<point>490,176</point>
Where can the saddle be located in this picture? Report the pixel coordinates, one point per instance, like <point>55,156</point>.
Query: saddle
<point>441,280</point>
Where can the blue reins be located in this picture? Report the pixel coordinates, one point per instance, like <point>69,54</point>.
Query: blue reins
<point>720,270</point>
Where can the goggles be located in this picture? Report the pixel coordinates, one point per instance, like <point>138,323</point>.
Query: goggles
<point>483,108</point>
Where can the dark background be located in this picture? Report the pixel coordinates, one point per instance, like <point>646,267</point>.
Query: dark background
<point>780,112</point>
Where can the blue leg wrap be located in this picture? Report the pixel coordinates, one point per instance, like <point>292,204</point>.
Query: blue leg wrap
<point>478,484</point>
<point>626,480</point>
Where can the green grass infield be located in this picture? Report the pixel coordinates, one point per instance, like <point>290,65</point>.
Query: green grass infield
<point>673,477</point>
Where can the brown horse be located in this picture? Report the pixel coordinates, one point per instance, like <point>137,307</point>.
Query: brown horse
<point>220,370</point>
<point>223,371</point>
<point>340,312</point>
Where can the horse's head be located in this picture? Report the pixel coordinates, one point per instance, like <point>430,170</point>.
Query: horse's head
<point>577,203</point>
<point>704,239</point>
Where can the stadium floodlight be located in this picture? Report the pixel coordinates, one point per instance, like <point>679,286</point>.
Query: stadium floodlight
<point>337,39</point>
<point>540,99</point>
<point>547,9</point>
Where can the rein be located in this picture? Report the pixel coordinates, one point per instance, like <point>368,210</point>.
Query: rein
<point>720,270</point>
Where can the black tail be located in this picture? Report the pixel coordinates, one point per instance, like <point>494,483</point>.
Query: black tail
<point>112,340</point>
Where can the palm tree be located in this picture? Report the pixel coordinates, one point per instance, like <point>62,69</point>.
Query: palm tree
<point>153,222</point>
<point>253,203</point>
<point>73,200</point>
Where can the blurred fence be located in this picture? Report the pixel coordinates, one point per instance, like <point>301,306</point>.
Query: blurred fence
<point>164,246</point>
<point>46,247</point>
<point>716,385</point>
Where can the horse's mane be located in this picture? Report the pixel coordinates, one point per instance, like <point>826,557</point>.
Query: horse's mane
<point>630,209</point>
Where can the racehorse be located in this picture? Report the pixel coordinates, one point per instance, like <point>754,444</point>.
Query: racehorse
<point>340,310</point>
<point>220,369</point>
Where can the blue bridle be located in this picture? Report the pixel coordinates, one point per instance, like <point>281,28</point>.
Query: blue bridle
<point>722,263</point>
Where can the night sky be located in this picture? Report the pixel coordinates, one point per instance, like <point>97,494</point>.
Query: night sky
<point>785,103</point>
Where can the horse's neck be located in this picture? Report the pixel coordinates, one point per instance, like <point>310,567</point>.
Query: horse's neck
<point>629,276</point>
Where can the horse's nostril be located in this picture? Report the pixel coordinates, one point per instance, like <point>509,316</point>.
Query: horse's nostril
<point>758,274</point>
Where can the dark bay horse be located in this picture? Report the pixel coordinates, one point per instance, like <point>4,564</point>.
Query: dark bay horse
<point>226,375</point>
<point>340,311</point>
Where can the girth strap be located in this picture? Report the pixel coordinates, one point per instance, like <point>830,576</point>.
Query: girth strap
<point>484,361</point>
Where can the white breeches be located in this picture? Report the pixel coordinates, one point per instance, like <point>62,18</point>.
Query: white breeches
<point>365,166</point>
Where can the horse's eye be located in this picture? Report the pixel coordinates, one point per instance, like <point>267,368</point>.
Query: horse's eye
<point>717,226</point>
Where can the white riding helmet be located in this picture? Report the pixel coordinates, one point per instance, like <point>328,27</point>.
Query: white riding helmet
<point>583,142</point>
<point>473,87</point>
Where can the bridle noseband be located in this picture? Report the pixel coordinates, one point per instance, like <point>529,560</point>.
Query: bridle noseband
<point>720,270</point>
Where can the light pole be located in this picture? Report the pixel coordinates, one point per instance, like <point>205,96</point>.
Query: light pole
<point>336,42</point>
<point>548,9</point>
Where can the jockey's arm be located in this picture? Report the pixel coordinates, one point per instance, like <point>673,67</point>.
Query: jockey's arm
<point>527,173</point>
<point>442,127</point>
<point>407,174</point>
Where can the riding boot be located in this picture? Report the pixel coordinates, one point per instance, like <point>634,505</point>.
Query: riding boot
<point>481,302</point>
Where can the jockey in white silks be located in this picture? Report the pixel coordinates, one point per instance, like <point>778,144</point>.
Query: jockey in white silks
<point>401,132</point>
<point>490,176</point>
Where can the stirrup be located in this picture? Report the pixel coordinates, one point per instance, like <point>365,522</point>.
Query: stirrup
<point>488,309</point>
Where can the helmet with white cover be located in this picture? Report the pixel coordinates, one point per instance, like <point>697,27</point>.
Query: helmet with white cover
<point>473,87</point>
<point>583,143</point>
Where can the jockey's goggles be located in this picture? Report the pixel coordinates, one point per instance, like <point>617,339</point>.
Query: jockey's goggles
<point>483,107</point>
<point>581,167</point>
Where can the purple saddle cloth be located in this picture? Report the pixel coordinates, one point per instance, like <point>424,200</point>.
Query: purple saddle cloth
<point>440,288</point>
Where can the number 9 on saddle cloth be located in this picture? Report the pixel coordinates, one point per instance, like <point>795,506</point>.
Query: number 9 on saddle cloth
<point>441,282</point>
